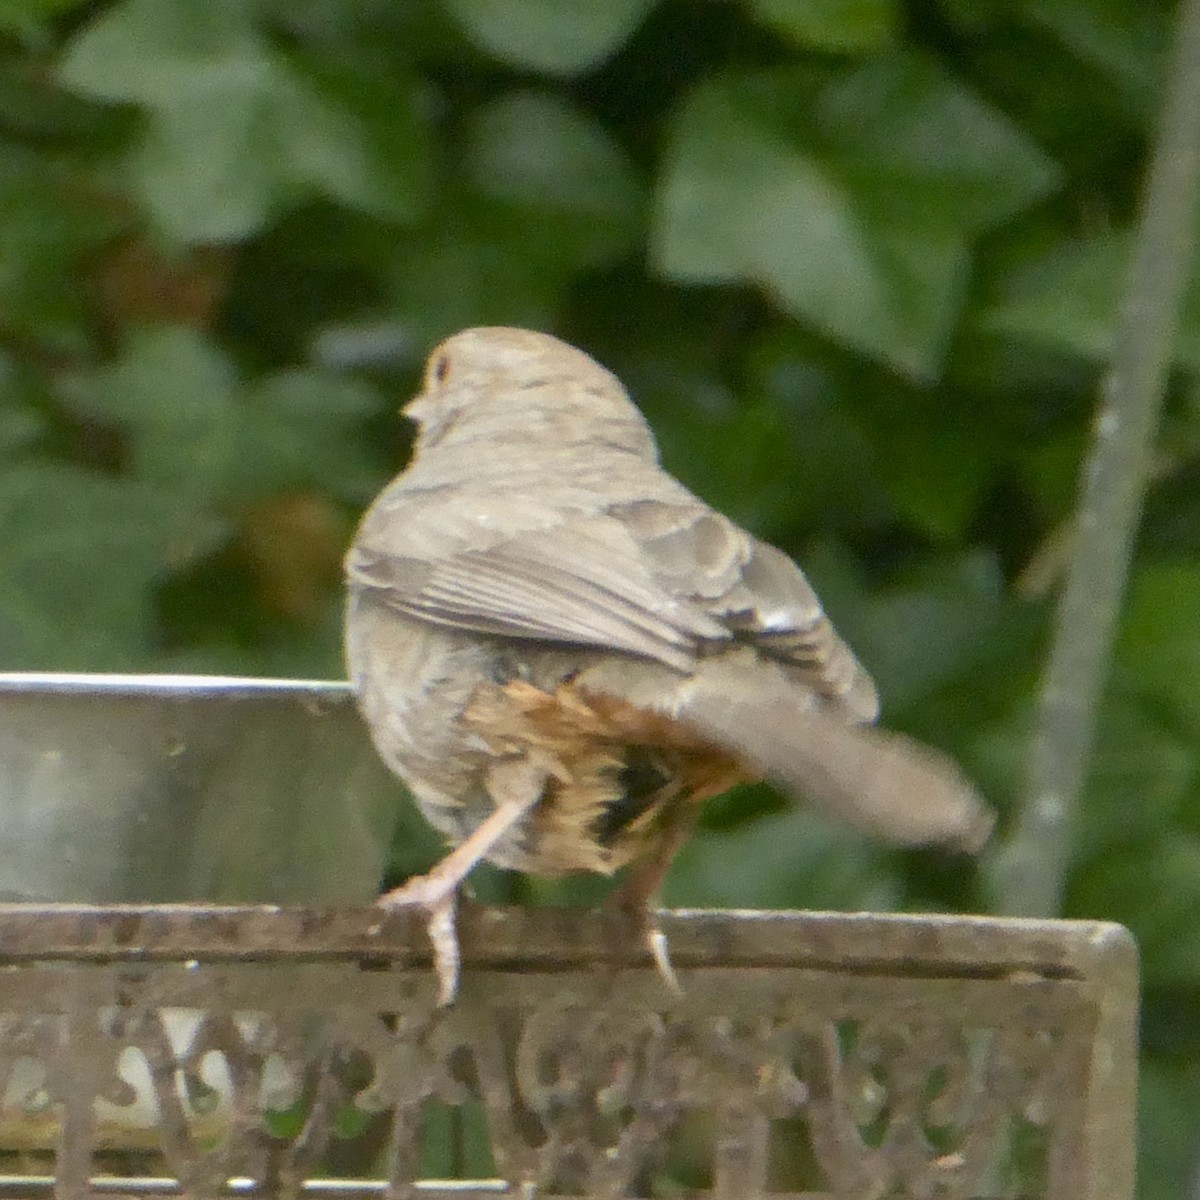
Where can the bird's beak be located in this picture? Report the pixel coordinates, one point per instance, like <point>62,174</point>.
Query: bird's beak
<point>432,419</point>
<point>417,409</point>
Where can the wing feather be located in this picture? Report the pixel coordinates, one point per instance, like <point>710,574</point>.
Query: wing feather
<point>758,593</point>
<point>584,581</point>
<point>667,580</point>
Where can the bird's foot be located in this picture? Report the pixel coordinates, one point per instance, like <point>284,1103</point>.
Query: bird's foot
<point>656,943</point>
<point>637,920</point>
<point>437,896</point>
<point>516,787</point>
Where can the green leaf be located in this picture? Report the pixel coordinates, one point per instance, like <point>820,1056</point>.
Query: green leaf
<point>746,454</point>
<point>835,193</point>
<point>791,859</point>
<point>937,476</point>
<point>825,462</point>
<point>303,429</point>
<point>198,173</point>
<point>19,429</point>
<point>935,627</point>
<point>975,16</point>
<point>177,395</point>
<point>25,17</point>
<point>387,114</point>
<point>837,25</point>
<point>740,201</point>
<point>1153,887</point>
<point>82,553</point>
<point>49,230</point>
<point>1158,647</point>
<point>234,130</point>
<point>1166,1139</point>
<point>562,177</point>
<point>1144,775</point>
<point>910,133</point>
<point>209,442</point>
<point>547,35</point>
<point>475,267</point>
<point>21,425</point>
<point>31,104</point>
<point>1066,297</point>
<point>1126,39</point>
<point>147,52</point>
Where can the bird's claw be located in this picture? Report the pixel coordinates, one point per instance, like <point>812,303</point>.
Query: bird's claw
<point>656,942</point>
<point>438,901</point>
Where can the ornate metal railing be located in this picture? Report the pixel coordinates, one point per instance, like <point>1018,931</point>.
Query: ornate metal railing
<point>159,1051</point>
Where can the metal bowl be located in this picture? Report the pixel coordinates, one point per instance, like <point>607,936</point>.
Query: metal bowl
<point>160,788</point>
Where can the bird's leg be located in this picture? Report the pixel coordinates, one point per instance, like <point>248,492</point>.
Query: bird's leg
<point>515,786</point>
<point>637,895</point>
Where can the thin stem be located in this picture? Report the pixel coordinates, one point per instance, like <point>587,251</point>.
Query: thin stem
<point>1031,870</point>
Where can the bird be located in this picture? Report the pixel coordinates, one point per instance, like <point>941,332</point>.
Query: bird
<point>562,651</point>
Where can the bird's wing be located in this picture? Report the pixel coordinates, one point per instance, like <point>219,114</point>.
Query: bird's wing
<point>757,593</point>
<point>575,578</point>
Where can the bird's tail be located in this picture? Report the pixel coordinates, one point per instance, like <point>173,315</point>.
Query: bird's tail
<point>883,783</point>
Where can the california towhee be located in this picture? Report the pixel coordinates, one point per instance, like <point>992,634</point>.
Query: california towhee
<point>560,649</point>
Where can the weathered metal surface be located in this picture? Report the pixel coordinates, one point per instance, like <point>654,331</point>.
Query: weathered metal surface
<point>175,787</point>
<point>264,1051</point>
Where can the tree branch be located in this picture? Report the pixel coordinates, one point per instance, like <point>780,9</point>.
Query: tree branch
<point>1031,870</point>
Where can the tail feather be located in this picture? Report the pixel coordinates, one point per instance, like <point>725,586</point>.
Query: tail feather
<point>882,783</point>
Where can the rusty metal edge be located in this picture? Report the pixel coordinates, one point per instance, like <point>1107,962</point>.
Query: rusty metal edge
<point>532,938</point>
<point>37,1187</point>
<point>1110,1128</point>
<point>41,1187</point>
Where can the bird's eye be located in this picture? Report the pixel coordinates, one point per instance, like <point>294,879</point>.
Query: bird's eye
<point>439,369</point>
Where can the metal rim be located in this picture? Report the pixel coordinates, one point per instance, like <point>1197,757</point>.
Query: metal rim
<point>218,686</point>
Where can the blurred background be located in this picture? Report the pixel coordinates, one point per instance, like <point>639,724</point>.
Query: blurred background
<point>857,260</point>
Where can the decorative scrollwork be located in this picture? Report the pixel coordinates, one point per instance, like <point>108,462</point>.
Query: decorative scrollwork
<point>862,1085</point>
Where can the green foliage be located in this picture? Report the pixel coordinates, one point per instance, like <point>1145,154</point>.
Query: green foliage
<point>858,260</point>
<point>852,194</point>
<point>233,130</point>
<point>543,35</point>
<point>850,25</point>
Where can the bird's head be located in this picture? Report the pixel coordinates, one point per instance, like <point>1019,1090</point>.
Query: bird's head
<point>508,384</point>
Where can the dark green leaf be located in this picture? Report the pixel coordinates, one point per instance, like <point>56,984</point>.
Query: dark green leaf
<point>1125,38</point>
<point>1144,777</point>
<point>840,25</point>
<point>783,860</point>
<point>1066,298</point>
<point>831,192</point>
<point>31,103</point>
<point>936,476</point>
<point>546,35</point>
<point>935,628</point>
<point>1168,1099</point>
<point>82,553</point>
<point>21,424</point>
<point>234,130</point>
<point>303,430</point>
<point>24,17</point>
<point>975,16</point>
<point>50,227</point>
<point>177,396</point>
<point>1158,650</point>
<point>477,267</point>
<point>1153,887</point>
<point>388,112</point>
<point>560,175</point>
